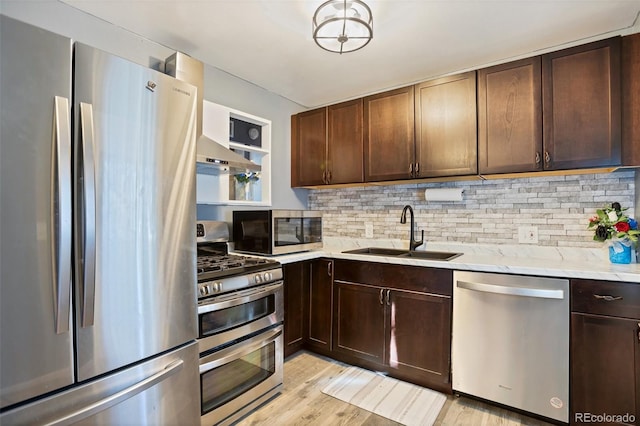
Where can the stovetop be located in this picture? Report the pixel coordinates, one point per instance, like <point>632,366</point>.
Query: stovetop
<point>214,262</point>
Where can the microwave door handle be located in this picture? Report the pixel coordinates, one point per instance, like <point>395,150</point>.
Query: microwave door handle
<point>88,241</point>
<point>61,217</point>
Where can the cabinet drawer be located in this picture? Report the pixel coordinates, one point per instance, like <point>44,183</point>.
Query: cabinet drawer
<point>606,298</point>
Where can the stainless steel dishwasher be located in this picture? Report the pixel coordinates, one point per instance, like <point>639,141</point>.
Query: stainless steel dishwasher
<point>511,341</point>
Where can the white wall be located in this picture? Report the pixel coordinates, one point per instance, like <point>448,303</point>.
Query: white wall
<point>220,87</point>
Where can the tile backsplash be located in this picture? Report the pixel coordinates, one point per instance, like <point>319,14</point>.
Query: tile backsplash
<point>490,212</point>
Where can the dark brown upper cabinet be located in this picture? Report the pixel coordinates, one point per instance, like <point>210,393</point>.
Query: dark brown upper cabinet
<point>344,143</point>
<point>631,100</point>
<point>446,127</point>
<point>389,147</point>
<point>309,148</point>
<point>510,117</point>
<point>327,145</point>
<point>581,106</point>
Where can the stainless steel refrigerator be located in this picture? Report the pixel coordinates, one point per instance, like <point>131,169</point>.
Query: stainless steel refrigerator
<point>97,241</point>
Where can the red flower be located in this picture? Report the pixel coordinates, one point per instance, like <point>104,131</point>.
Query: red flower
<point>622,226</point>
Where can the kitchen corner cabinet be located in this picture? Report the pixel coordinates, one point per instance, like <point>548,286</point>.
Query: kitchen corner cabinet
<point>327,145</point>
<point>446,127</point>
<point>389,143</point>
<point>605,349</point>
<point>395,318</point>
<point>296,305</point>
<point>581,106</point>
<point>220,188</point>
<point>320,305</point>
<point>510,117</point>
<point>631,100</point>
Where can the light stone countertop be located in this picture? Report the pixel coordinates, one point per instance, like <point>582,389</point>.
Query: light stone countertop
<point>513,259</point>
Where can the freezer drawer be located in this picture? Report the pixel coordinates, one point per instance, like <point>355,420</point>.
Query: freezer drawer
<point>160,391</point>
<point>510,341</point>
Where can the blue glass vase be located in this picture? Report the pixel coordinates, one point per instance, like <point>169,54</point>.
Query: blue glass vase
<point>623,256</point>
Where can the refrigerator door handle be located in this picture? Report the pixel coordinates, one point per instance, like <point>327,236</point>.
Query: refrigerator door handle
<point>61,218</point>
<point>119,397</point>
<point>88,205</point>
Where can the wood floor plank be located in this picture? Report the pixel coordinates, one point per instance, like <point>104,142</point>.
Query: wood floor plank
<point>303,403</point>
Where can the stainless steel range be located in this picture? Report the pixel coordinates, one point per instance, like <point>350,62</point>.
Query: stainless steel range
<point>240,314</point>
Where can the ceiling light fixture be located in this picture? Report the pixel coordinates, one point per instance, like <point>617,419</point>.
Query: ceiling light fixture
<point>342,26</point>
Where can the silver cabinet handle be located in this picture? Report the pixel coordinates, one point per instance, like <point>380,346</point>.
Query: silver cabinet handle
<point>119,397</point>
<point>381,296</point>
<point>61,218</point>
<point>388,297</point>
<point>607,298</point>
<point>542,293</point>
<point>329,264</point>
<point>88,228</point>
<point>417,170</point>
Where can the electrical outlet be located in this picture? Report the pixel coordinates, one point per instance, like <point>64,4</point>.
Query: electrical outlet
<point>528,234</point>
<point>368,230</point>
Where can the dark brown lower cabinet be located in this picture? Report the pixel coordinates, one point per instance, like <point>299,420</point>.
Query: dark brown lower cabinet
<point>296,305</point>
<point>320,306</point>
<point>394,318</point>
<point>605,352</point>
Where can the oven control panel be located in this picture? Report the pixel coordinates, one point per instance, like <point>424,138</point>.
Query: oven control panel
<point>238,282</point>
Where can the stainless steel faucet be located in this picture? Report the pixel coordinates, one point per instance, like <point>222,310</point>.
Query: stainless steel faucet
<point>413,244</point>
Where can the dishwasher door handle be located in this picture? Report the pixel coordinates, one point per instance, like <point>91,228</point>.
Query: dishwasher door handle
<point>541,293</point>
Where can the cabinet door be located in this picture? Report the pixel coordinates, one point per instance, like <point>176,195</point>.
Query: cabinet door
<point>359,321</point>
<point>345,149</point>
<point>418,338</point>
<point>605,365</point>
<point>389,149</point>
<point>631,100</point>
<point>320,293</point>
<point>510,117</point>
<point>309,148</point>
<point>445,117</point>
<point>296,304</point>
<point>581,106</point>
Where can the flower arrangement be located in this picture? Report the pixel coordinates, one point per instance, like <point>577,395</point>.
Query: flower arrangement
<point>247,177</point>
<point>611,223</point>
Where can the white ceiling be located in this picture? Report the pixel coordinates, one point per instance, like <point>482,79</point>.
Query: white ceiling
<point>268,42</point>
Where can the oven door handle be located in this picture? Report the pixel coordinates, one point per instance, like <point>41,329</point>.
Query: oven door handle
<point>221,358</point>
<point>235,301</point>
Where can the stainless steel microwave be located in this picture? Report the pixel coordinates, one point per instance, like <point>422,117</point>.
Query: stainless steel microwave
<point>273,232</point>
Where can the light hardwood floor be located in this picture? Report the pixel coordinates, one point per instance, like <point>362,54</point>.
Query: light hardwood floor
<point>303,403</point>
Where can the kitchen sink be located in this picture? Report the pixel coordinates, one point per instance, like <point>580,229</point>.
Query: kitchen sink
<point>429,255</point>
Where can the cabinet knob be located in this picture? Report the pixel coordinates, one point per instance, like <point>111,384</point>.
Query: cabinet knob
<point>607,298</point>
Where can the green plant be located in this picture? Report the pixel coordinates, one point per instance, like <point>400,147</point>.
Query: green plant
<point>611,223</point>
<point>247,177</point>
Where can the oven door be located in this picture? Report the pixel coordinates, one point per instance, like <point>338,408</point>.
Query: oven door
<point>238,378</point>
<point>232,316</point>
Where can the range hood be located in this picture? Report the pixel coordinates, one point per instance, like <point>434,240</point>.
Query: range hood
<point>212,157</point>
